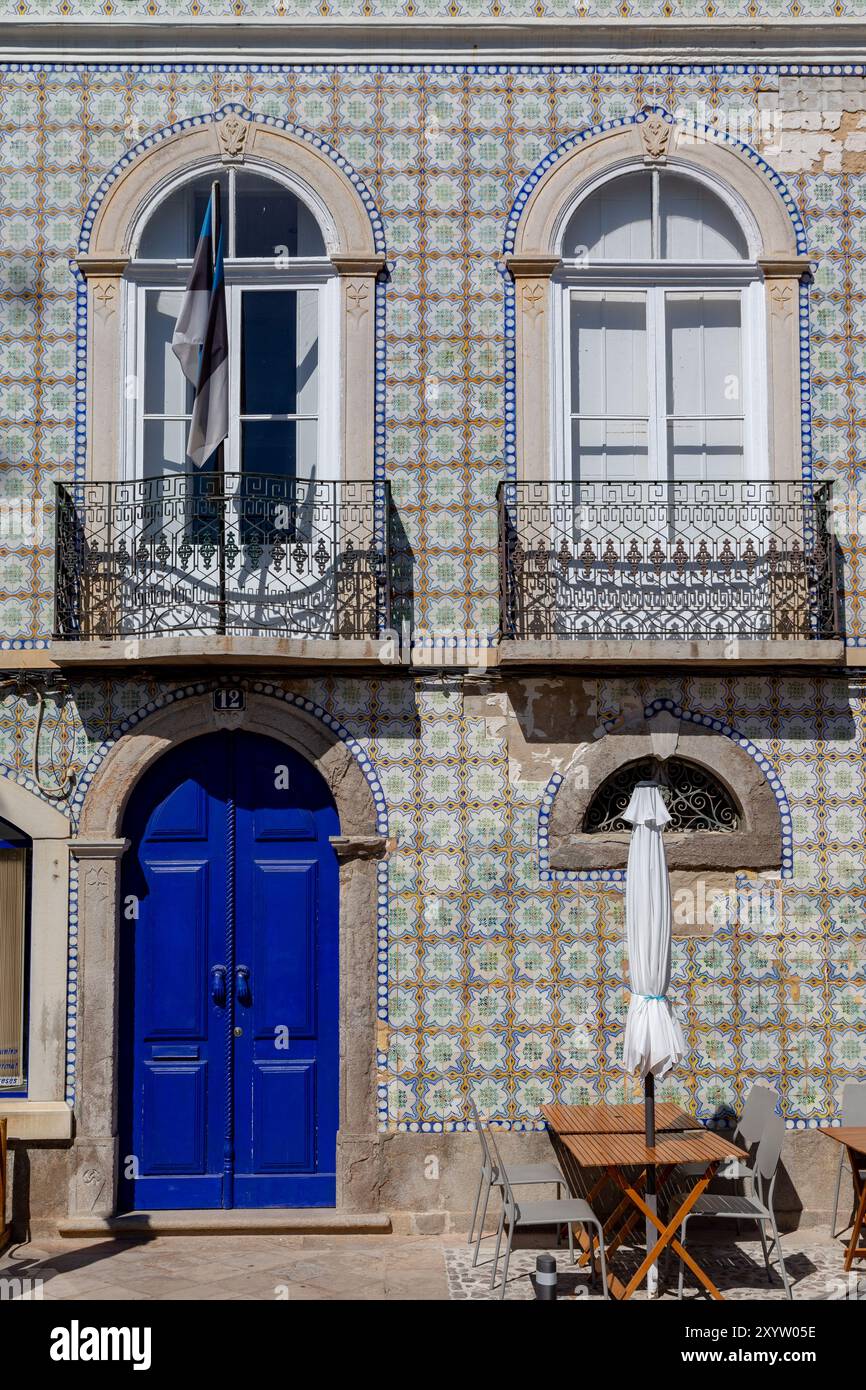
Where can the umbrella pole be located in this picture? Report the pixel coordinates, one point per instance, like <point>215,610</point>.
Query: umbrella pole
<point>649,1105</point>
<point>649,1100</point>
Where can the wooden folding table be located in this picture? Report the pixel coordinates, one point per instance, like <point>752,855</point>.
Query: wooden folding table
<point>854,1139</point>
<point>614,1153</point>
<point>615,1119</point>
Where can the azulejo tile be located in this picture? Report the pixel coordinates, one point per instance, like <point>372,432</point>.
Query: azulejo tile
<point>457,874</point>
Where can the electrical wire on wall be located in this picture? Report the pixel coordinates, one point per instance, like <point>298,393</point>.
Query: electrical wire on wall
<point>36,690</point>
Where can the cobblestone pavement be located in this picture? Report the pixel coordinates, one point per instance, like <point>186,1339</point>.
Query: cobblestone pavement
<point>372,1268</point>
<point>814,1265</point>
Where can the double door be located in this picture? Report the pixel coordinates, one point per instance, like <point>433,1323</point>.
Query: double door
<point>229,983</point>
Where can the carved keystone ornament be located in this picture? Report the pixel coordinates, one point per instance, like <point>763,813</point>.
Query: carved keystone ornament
<point>655,133</point>
<point>232,134</point>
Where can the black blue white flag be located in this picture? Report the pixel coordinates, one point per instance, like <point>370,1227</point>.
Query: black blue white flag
<point>200,340</point>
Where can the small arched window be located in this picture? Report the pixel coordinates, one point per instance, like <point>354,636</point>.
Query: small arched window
<point>14,875</point>
<point>279,295</point>
<point>663,360</point>
<point>696,799</point>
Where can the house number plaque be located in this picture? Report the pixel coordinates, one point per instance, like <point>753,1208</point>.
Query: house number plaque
<point>229,699</point>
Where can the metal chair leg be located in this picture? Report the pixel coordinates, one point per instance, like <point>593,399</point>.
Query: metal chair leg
<point>507,1259</point>
<point>469,1238</point>
<point>602,1261</point>
<point>571,1241</point>
<point>496,1252</point>
<point>481,1227</point>
<point>835,1211</point>
<point>682,1262</point>
<point>763,1236</point>
<point>780,1256</point>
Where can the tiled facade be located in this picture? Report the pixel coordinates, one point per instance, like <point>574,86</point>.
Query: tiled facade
<point>498,975</point>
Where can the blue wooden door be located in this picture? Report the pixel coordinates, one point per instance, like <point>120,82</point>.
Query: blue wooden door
<point>229,980</point>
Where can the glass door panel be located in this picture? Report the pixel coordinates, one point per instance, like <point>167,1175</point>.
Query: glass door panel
<point>609,386</point>
<point>278,411</point>
<point>704,387</point>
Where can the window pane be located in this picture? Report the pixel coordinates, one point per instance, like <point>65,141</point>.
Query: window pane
<point>165,448</point>
<point>696,225</point>
<point>608,354</point>
<point>706,450</point>
<point>166,389</point>
<point>609,450</point>
<point>704,374</point>
<point>284,448</point>
<point>279,352</point>
<point>614,223</point>
<point>173,230</point>
<point>13,876</point>
<point>271,221</point>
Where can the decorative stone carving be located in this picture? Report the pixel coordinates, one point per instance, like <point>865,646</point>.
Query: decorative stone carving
<point>357,299</point>
<point>97,880</point>
<point>655,134</point>
<point>232,133</point>
<point>782,297</point>
<point>105,297</point>
<point>229,718</point>
<point>534,299</point>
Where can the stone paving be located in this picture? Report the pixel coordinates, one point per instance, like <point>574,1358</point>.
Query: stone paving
<point>371,1268</point>
<point>238,1267</point>
<point>814,1271</point>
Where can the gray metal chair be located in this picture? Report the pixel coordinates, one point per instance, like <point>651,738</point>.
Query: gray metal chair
<point>519,1175</point>
<point>758,1106</point>
<point>853,1114</point>
<point>570,1210</point>
<point>757,1207</point>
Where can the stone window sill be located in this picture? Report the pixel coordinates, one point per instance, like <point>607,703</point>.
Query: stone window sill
<point>37,1119</point>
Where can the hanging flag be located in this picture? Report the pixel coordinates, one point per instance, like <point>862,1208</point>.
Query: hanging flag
<point>200,339</point>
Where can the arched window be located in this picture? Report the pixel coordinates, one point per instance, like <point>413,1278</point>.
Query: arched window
<point>696,799</point>
<point>280,293</point>
<point>14,875</point>
<point>660,334</point>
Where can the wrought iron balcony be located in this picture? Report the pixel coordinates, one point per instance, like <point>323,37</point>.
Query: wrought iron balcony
<point>667,561</point>
<point>234,554</point>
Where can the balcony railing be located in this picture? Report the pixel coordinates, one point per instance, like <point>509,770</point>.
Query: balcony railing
<point>234,554</point>
<point>677,561</point>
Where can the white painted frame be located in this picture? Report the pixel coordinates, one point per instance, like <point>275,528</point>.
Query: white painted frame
<point>310,273</point>
<point>656,277</point>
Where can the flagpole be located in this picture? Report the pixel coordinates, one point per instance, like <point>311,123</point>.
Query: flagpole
<point>215,229</point>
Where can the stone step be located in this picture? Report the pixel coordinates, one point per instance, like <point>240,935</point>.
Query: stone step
<point>308,1221</point>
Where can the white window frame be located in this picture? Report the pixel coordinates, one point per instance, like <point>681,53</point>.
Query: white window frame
<point>260,274</point>
<point>655,278</point>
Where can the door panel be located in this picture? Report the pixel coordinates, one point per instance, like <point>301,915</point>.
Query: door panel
<point>290,1091</point>
<point>188,1138</point>
<point>285,1138</point>
<point>174,1096</point>
<point>173,961</point>
<point>284,963</point>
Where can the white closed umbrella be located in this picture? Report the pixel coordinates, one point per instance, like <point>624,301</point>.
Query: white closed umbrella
<point>653,1042</point>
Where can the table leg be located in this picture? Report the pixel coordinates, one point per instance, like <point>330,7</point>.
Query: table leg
<point>668,1236</point>
<point>855,1250</point>
<point>662,1175</point>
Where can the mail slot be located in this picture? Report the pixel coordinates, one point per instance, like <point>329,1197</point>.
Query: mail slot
<point>175,1054</point>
